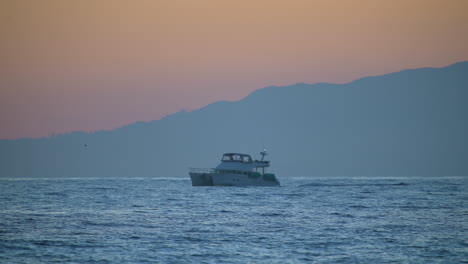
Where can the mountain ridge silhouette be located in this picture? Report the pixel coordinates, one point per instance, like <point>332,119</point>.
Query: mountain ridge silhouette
<point>411,122</point>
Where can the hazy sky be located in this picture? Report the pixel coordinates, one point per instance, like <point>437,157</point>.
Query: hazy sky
<point>96,64</point>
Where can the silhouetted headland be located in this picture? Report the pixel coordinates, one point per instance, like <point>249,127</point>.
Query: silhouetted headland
<point>412,122</point>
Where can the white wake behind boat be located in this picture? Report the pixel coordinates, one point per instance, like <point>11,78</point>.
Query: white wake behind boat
<point>235,169</point>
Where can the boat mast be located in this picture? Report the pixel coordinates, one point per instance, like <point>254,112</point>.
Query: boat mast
<point>263,153</point>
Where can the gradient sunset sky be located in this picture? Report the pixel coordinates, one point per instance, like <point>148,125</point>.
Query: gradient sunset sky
<point>94,64</point>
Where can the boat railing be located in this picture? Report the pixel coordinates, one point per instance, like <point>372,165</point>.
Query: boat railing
<point>202,170</point>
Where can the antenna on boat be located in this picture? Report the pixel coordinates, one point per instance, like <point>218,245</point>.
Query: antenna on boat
<point>263,153</point>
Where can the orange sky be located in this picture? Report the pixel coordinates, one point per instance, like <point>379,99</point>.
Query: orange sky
<point>98,64</point>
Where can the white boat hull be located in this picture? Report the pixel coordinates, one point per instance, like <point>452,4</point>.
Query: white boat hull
<point>229,179</point>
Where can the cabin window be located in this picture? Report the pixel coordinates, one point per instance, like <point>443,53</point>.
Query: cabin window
<point>237,157</point>
<point>227,158</point>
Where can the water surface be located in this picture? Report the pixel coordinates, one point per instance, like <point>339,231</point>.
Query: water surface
<point>166,220</point>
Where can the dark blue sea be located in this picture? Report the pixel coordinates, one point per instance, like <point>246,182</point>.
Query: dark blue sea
<point>166,220</point>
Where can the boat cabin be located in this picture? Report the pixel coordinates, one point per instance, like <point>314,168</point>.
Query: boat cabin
<point>241,162</point>
<point>236,157</point>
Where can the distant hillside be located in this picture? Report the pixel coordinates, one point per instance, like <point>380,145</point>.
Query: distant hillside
<point>412,122</point>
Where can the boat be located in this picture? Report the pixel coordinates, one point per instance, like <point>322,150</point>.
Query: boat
<point>235,169</point>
